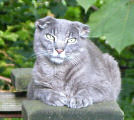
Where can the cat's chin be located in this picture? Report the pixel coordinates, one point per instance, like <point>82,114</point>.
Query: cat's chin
<point>57,60</point>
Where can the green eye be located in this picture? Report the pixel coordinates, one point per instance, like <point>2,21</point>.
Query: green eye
<point>50,37</point>
<point>72,40</point>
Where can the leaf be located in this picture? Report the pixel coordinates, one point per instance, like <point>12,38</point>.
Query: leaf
<point>115,20</point>
<point>10,36</point>
<point>73,13</point>
<point>71,2</point>
<point>2,43</point>
<point>58,9</point>
<point>86,3</point>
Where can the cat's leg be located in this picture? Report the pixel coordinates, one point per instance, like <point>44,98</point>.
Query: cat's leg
<point>47,96</point>
<point>92,94</point>
<point>81,99</point>
<point>50,97</point>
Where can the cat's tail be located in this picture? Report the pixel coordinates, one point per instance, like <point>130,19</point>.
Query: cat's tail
<point>114,73</point>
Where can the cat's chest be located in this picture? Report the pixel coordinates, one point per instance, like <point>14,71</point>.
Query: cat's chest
<point>59,73</point>
<point>54,76</point>
<point>53,71</point>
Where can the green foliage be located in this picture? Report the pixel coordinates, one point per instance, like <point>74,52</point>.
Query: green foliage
<point>115,21</point>
<point>86,4</point>
<point>58,8</point>
<point>111,24</point>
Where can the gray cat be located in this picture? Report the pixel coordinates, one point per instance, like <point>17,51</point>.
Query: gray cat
<point>70,70</point>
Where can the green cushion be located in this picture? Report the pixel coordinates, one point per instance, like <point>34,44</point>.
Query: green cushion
<point>36,110</point>
<point>20,78</point>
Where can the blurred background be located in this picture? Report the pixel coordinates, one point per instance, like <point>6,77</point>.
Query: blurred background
<point>112,30</point>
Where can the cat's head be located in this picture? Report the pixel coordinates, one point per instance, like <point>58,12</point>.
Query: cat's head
<point>58,39</point>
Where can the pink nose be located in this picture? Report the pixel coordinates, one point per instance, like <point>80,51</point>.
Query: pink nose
<point>59,51</point>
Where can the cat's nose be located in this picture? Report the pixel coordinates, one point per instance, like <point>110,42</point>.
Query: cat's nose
<point>59,51</point>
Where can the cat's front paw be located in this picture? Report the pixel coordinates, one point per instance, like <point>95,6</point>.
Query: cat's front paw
<point>54,100</point>
<point>79,102</point>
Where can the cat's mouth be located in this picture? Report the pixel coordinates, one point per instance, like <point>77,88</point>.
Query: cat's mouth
<point>58,58</point>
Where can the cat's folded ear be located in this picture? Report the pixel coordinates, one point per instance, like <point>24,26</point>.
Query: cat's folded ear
<point>84,29</point>
<point>44,22</point>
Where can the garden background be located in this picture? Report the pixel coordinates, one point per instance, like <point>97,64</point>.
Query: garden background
<point>112,30</point>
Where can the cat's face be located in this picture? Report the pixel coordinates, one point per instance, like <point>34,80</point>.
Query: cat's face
<point>60,40</point>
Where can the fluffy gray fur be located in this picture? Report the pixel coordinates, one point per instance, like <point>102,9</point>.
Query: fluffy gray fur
<point>83,75</point>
